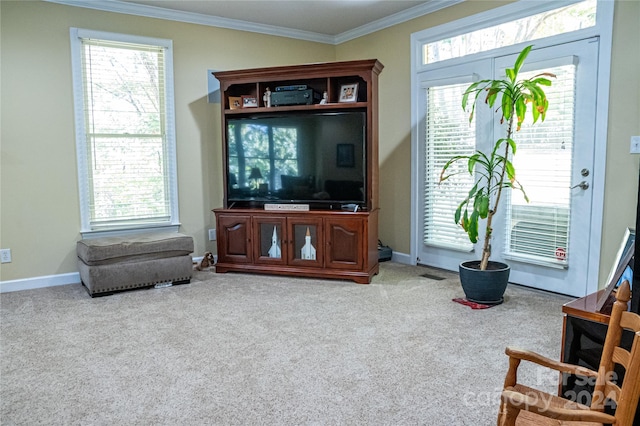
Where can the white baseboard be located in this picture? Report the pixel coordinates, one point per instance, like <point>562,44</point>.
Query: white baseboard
<point>52,280</point>
<point>401,258</point>
<point>74,277</point>
<point>39,282</point>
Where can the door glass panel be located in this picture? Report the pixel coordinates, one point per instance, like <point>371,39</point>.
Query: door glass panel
<point>448,133</point>
<point>270,240</point>
<point>305,241</point>
<point>538,231</point>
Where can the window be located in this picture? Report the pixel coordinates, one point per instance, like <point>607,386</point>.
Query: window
<point>552,22</point>
<point>254,157</point>
<point>125,138</point>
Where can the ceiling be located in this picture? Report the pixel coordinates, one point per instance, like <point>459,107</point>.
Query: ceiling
<point>327,21</point>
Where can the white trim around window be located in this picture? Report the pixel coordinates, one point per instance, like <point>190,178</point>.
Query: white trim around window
<point>170,221</point>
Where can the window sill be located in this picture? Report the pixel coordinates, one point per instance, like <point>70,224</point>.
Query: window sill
<point>128,231</point>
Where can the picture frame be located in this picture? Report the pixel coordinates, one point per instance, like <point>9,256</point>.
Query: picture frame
<point>623,260</point>
<point>235,102</point>
<point>345,155</point>
<point>348,93</point>
<point>249,102</point>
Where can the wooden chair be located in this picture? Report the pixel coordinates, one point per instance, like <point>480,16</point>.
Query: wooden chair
<point>522,405</point>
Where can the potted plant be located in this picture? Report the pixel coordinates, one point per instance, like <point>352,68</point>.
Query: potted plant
<point>485,281</point>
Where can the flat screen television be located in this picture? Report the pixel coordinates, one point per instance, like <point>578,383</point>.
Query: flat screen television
<point>314,158</point>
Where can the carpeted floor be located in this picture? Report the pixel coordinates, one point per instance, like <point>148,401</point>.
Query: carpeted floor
<point>240,349</point>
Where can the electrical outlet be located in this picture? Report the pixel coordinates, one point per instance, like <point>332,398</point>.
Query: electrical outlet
<point>5,256</point>
<point>212,234</point>
<point>635,144</point>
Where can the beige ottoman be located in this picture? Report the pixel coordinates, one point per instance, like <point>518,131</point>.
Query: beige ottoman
<point>112,264</point>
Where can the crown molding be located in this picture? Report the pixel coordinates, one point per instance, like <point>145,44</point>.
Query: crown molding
<point>194,18</point>
<point>236,24</point>
<point>396,18</point>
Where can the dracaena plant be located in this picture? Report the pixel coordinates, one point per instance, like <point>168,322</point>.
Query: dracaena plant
<point>494,171</point>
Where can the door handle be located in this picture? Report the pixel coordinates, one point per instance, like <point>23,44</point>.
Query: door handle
<point>582,185</point>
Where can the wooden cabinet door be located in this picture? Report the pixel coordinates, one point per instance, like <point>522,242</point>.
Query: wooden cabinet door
<point>305,241</point>
<point>270,239</point>
<point>344,243</point>
<point>234,239</point>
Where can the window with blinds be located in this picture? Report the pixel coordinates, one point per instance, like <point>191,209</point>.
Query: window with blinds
<point>448,133</point>
<point>538,231</point>
<point>126,147</point>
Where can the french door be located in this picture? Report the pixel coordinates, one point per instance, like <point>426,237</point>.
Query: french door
<point>545,241</point>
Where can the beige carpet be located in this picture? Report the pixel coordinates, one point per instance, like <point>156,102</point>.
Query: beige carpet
<point>239,349</point>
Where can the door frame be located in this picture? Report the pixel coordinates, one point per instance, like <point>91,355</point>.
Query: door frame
<point>602,29</point>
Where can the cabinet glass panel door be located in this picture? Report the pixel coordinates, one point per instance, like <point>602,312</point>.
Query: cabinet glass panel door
<point>306,242</point>
<point>270,237</point>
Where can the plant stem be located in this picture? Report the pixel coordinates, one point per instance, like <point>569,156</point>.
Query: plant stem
<point>486,249</point>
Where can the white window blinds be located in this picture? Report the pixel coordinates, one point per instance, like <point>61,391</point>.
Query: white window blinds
<point>448,133</point>
<point>538,231</point>
<point>127,157</point>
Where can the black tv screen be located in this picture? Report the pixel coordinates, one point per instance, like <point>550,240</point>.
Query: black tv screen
<point>311,158</point>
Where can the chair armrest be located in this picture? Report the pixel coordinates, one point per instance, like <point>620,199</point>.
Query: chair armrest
<point>562,367</point>
<point>544,408</point>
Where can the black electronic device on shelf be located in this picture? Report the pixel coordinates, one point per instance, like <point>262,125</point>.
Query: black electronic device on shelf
<point>295,97</point>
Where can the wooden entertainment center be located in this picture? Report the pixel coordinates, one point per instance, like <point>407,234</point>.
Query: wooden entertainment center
<point>298,236</point>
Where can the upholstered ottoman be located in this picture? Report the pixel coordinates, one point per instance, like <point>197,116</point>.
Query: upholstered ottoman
<point>111,264</point>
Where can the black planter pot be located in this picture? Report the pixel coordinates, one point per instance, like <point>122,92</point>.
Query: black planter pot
<point>486,287</point>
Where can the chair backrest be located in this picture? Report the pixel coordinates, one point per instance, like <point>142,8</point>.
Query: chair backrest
<point>626,396</point>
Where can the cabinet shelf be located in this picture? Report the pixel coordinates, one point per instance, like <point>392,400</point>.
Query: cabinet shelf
<point>315,107</point>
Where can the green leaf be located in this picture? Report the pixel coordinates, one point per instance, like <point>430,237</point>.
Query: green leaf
<point>472,163</point>
<point>483,206</point>
<point>545,107</point>
<point>472,192</point>
<point>473,88</point>
<point>521,57</point>
<point>491,97</point>
<point>511,171</point>
<point>521,109</point>
<point>443,175</point>
<point>457,215</point>
<point>465,221</point>
<point>537,94</point>
<point>543,81</point>
<point>511,74</point>
<point>535,113</point>
<point>507,107</point>
<point>472,227</point>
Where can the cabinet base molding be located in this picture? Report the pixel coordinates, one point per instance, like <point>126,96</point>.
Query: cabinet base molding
<point>358,277</point>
